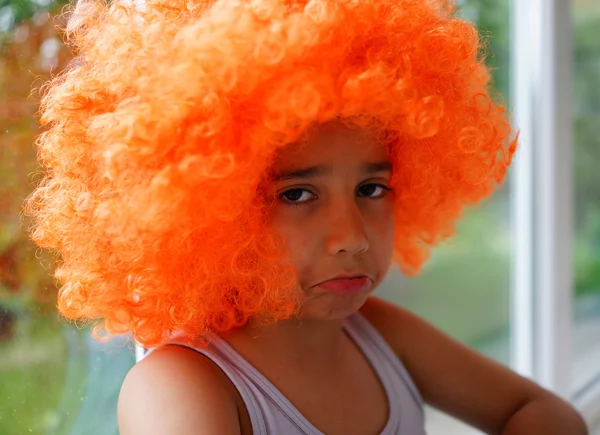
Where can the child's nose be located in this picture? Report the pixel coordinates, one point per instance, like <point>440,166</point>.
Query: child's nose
<point>345,230</point>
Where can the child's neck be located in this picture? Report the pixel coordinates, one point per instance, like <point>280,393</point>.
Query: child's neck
<point>307,344</point>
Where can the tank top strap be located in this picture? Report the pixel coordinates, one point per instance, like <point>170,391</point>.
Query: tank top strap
<point>383,359</point>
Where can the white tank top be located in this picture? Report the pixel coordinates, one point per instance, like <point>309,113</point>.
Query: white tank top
<point>271,413</point>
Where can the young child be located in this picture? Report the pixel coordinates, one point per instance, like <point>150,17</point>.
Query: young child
<point>230,180</point>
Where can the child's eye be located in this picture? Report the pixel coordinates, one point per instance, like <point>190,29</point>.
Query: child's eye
<point>296,196</point>
<point>373,190</point>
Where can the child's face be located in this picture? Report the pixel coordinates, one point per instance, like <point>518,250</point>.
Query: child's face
<point>335,211</point>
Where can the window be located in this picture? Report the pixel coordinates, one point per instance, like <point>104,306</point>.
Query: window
<point>553,287</point>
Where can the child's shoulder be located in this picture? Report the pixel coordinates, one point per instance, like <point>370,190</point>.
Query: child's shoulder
<point>161,394</point>
<point>451,376</point>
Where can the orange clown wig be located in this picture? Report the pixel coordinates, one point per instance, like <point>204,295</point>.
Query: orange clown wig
<point>159,135</point>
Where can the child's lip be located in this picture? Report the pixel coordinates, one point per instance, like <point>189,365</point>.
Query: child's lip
<point>347,285</point>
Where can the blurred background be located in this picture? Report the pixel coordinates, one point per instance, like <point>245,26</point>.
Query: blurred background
<point>55,379</point>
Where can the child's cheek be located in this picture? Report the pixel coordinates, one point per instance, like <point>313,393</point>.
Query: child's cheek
<point>301,255</point>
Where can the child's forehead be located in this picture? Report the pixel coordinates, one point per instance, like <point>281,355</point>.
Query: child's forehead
<point>332,139</point>
<point>339,130</point>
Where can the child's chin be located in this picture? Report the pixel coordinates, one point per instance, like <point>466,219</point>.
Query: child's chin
<point>333,306</point>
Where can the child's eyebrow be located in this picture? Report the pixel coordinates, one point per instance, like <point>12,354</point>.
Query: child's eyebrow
<point>374,168</point>
<point>303,173</point>
<point>322,171</point>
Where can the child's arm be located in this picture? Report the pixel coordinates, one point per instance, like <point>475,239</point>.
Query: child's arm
<point>467,385</point>
<point>176,391</point>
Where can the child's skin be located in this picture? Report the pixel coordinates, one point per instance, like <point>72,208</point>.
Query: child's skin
<point>336,214</point>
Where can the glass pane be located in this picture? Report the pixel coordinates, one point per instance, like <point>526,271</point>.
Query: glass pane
<point>586,248</point>
<point>465,287</point>
<point>54,378</point>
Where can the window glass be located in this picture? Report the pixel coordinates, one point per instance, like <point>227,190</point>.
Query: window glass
<point>54,378</point>
<point>586,245</point>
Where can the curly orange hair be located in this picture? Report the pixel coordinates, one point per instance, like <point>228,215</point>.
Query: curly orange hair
<point>161,131</point>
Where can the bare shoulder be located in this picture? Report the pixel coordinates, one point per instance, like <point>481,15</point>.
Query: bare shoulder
<point>177,390</point>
